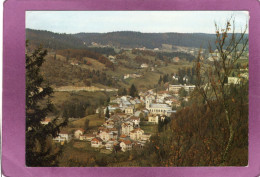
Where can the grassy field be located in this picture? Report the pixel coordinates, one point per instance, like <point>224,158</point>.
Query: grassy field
<point>59,98</point>
<point>149,127</point>
<point>94,121</point>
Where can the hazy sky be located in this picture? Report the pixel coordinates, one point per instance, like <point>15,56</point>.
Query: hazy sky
<point>143,21</point>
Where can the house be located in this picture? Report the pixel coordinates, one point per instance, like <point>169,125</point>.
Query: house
<point>109,124</point>
<point>46,121</point>
<point>176,59</point>
<point>104,135</point>
<point>122,116</point>
<point>136,134</point>
<point>108,134</point>
<point>129,110</point>
<point>96,142</point>
<point>174,77</point>
<point>185,79</point>
<point>111,143</point>
<point>175,88</point>
<point>123,137</point>
<point>135,120</point>
<point>86,137</point>
<point>126,145</point>
<point>126,128</point>
<point>64,136</point>
<point>146,137</point>
<point>153,119</point>
<point>233,80</point>
<point>144,65</point>
<point>189,88</point>
<point>78,133</point>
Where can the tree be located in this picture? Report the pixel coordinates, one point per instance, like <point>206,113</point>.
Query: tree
<point>86,124</point>
<point>107,113</point>
<point>133,91</point>
<point>38,105</point>
<point>211,79</point>
<point>121,92</point>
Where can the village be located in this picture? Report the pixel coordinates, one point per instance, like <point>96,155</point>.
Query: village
<point>125,118</point>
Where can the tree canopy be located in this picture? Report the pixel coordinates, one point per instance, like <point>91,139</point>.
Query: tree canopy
<point>38,105</point>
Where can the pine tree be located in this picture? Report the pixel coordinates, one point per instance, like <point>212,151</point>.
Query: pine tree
<point>38,150</point>
<point>133,91</point>
<point>107,113</point>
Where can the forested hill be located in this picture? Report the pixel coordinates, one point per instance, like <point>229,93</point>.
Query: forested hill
<point>131,39</point>
<point>126,39</point>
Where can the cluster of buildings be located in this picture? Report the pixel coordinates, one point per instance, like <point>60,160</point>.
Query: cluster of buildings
<point>126,76</point>
<point>125,104</point>
<point>123,130</point>
<point>175,88</point>
<point>120,130</point>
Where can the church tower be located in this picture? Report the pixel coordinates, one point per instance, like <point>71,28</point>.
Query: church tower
<point>147,103</point>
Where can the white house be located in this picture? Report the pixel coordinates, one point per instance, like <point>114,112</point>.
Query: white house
<point>111,143</point>
<point>129,110</point>
<point>153,119</point>
<point>78,133</point>
<point>136,134</point>
<point>126,145</point>
<point>189,88</point>
<point>135,120</point>
<point>96,142</point>
<point>175,77</point>
<point>144,65</point>
<point>108,134</point>
<point>233,80</point>
<point>63,136</point>
<point>86,137</point>
<point>126,128</point>
<point>104,135</point>
<point>175,88</point>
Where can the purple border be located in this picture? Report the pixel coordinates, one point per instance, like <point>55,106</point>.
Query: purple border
<point>13,156</point>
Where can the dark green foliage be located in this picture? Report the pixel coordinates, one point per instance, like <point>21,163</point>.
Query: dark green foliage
<point>183,92</point>
<point>86,124</point>
<point>121,92</point>
<point>38,105</point>
<point>107,113</point>
<point>62,74</point>
<point>160,80</point>
<point>133,91</point>
<point>80,53</point>
<point>102,50</point>
<point>164,56</point>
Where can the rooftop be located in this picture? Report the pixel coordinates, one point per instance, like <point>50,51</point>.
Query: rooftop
<point>159,106</point>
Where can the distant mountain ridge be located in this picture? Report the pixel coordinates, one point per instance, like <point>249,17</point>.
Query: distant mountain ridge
<point>126,39</point>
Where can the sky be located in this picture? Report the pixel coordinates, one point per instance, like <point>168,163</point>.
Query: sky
<point>71,22</point>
